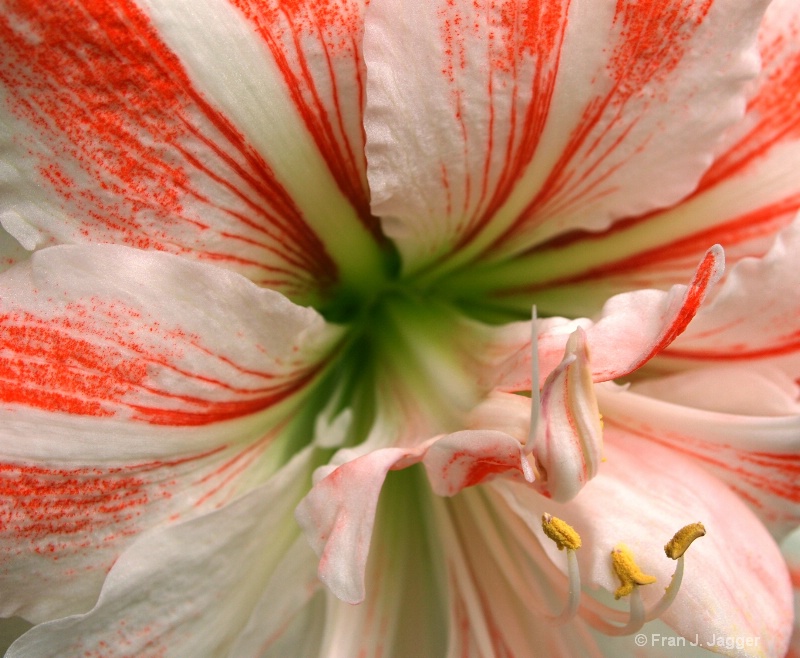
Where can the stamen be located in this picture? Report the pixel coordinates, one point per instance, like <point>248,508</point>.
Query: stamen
<point>677,546</point>
<point>561,533</point>
<point>565,537</point>
<point>535,401</point>
<point>628,572</point>
<point>631,577</point>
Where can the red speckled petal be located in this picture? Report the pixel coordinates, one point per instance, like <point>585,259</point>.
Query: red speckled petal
<point>749,194</point>
<point>754,317</point>
<point>735,584</point>
<point>227,134</point>
<point>137,388</point>
<point>525,119</point>
<point>758,456</point>
<point>189,589</point>
<point>632,328</point>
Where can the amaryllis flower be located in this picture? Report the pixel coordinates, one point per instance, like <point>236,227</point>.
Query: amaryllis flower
<point>270,382</point>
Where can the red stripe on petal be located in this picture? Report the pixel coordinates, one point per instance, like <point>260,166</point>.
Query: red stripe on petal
<point>297,32</point>
<point>650,44</point>
<point>129,366</point>
<point>143,158</point>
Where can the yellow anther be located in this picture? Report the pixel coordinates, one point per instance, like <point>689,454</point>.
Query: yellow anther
<point>563,534</point>
<point>677,546</point>
<point>627,571</point>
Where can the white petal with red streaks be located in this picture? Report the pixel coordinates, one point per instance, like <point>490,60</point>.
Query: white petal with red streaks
<point>735,584</point>
<point>758,456</point>
<point>755,315</point>
<point>113,136</point>
<point>136,388</point>
<point>189,589</point>
<point>632,328</point>
<point>750,192</point>
<point>527,119</point>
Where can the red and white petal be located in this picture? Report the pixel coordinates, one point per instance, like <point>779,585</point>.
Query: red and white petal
<point>743,200</point>
<point>632,328</point>
<point>569,445</point>
<point>758,456</point>
<point>137,388</point>
<point>755,315</point>
<point>527,119</point>
<point>229,134</point>
<point>735,584</point>
<point>189,589</point>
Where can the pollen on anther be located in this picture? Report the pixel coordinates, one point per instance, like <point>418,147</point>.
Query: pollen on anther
<point>561,533</point>
<point>628,572</point>
<point>678,545</point>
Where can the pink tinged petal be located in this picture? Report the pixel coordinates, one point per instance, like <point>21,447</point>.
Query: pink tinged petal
<point>746,390</point>
<point>758,456</point>
<point>735,584</point>
<point>189,589</point>
<point>632,328</point>
<point>575,117</point>
<point>791,551</point>
<point>754,316</point>
<point>114,391</point>
<point>569,446</point>
<point>338,515</point>
<point>114,135</point>
<point>465,459</point>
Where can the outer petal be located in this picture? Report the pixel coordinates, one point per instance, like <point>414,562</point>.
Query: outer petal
<point>632,329</point>
<point>758,456</point>
<point>749,193</point>
<point>539,117</point>
<point>137,388</point>
<point>188,590</point>
<point>227,134</point>
<point>736,583</point>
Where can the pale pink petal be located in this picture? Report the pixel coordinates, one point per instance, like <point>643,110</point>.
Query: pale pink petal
<point>137,388</point>
<point>182,127</point>
<point>735,582</point>
<point>187,590</point>
<point>791,551</point>
<point>632,329</point>
<point>525,119</point>
<point>569,445</point>
<point>755,315</point>
<point>749,194</point>
<point>758,456</point>
<point>338,515</point>
<point>747,390</point>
